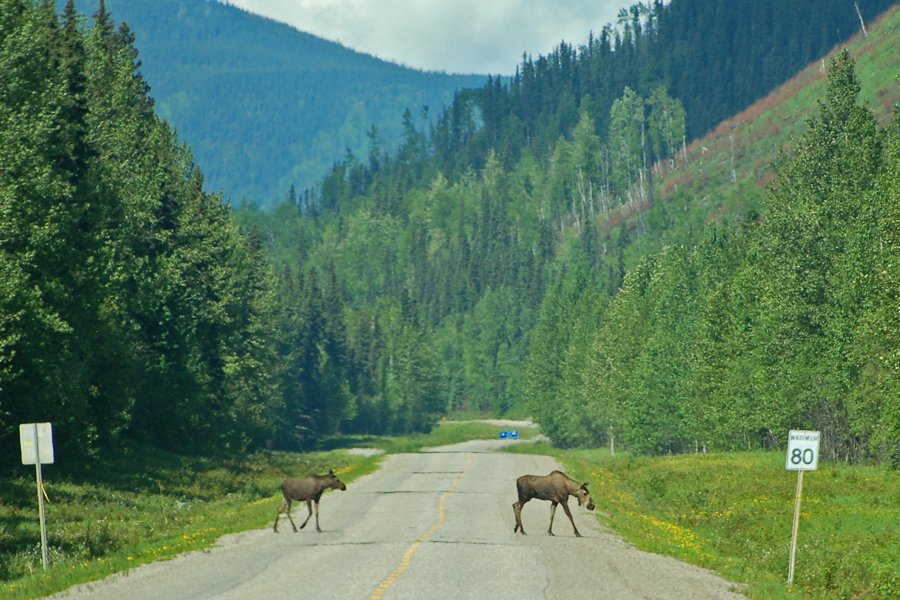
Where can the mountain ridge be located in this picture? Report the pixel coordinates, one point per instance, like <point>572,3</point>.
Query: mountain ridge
<point>212,78</point>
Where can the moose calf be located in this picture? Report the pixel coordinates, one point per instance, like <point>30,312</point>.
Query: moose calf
<point>555,487</point>
<point>309,488</point>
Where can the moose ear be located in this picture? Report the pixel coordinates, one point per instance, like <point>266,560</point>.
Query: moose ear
<point>584,485</point>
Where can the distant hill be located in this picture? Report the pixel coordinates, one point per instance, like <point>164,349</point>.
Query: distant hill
<point>262,105</point>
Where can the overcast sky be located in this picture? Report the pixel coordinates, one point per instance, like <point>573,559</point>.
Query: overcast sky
<point>456,36</point>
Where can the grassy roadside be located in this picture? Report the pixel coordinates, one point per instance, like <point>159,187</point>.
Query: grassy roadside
<point>732,513</point>
<point>148,506</point>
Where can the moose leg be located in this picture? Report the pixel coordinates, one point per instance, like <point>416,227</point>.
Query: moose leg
<point>319,529</point>
<point>309,508</point>
<point>288,511</point>
<point>517,511</point>
<point>552,514</point>
<point>565,506</point>
<point>286,507</point>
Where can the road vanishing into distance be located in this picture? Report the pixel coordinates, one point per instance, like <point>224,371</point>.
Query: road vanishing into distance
<point>435,524</point>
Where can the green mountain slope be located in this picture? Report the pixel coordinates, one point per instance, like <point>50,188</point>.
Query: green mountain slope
<point>724,175</point>
<point>760,294</point>
<point>262,105</point>
<point>488,232</point>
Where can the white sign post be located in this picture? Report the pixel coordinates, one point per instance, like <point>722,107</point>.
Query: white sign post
<point>802,455</point>
<point>37,447</point>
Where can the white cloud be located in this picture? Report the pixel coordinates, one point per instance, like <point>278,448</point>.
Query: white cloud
<point>456,36</point>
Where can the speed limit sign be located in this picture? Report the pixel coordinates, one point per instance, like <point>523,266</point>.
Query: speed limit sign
<point>802,451</point>
<point>802,455</point>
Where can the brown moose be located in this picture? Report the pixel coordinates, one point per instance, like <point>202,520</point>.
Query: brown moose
<point>309,488</point>
<point>555,487</point>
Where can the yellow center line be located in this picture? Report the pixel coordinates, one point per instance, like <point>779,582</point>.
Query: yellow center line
<point>379,591</point>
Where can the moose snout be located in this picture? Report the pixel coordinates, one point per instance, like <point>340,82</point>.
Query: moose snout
<point>590,506</point>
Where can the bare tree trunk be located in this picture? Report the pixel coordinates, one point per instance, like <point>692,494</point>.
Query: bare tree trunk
<point>859,14</point>
<point>644,161</point>
<point>731,137</point>
<point>582,192</point>
<point>591,196</point>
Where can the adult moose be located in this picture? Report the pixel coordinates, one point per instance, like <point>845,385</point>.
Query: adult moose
<point>309,488</point>
<point>555,487</point>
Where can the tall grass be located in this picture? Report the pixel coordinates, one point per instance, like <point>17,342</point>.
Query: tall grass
<point>733,513</point>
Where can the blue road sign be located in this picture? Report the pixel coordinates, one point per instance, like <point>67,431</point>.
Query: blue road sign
<point>508,434</point>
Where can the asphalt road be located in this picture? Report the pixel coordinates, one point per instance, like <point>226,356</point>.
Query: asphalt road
<point>436,524</point>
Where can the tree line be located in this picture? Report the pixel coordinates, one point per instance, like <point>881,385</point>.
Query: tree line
<point>450,275</point>
<point>476,254</point>
<point>262,104</point>
<point>134,308</point>
<point>660,332</point>
<point>716,58</point>
<point>785,321</point>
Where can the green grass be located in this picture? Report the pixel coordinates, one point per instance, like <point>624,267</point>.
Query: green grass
<point>148,505</point>
<point>732,513</point>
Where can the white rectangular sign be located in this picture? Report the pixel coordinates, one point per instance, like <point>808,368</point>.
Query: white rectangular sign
<point>802,451</point>
<point>44,443</point>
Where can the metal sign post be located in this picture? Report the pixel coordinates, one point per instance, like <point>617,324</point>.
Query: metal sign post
<point>802,455</point>
<point>37,447</point>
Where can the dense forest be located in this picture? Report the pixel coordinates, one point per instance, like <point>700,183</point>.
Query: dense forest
<point>778,320</point>
<point>783,322</point>
<point>469,270</point>
<point>262,105</point>
<point>134,310</point>
<point>493,224</point>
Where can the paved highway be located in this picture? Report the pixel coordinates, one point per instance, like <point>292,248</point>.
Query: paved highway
<point>435,524</point>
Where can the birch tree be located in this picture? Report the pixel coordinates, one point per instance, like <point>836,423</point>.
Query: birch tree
<point>667,124</point>
<point>627,140</point>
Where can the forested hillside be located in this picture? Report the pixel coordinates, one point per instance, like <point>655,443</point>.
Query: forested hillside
<point>776,323</point>
<point>131,301</point>
<point>470,270</point>
<point>262,105</point>
<point>134,310</point>
<point>515,220</point>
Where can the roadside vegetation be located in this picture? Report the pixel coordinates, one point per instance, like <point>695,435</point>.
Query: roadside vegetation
<point>148,505</point>
<point>732,513</point>
<point>727,512</point>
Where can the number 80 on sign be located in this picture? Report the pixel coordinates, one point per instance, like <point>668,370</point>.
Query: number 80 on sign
<point>802,451</point>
